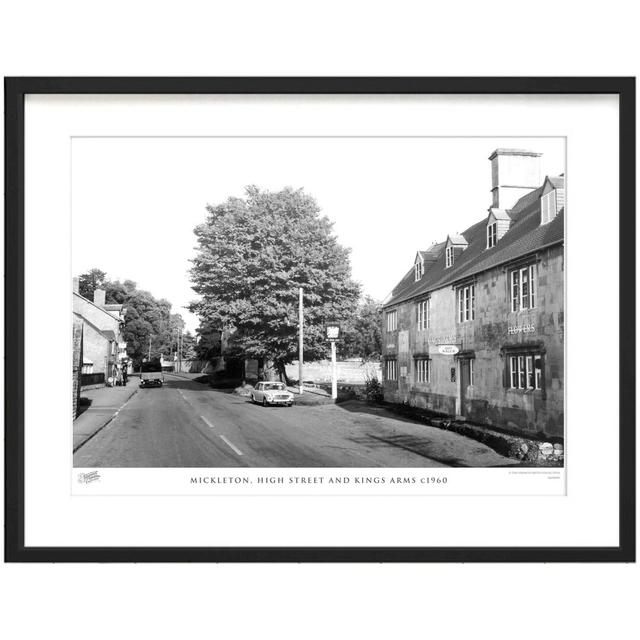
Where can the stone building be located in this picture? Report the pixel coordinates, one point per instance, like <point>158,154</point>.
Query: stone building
<point>475,329</point>
<point>104,348</point>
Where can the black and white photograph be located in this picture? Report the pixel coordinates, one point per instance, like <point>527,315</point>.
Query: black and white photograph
<point>361,318</point>
<point>325,301</point>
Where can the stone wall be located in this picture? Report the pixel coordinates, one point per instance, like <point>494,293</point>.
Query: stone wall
<point>348,371</point>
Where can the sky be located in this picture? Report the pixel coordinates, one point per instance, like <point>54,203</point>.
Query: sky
<point>136,201</point>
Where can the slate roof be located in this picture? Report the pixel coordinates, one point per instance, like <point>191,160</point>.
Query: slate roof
<point>458,238</point>
<point>525,236</point>
<point>500,214</point>
<point>557,182</point>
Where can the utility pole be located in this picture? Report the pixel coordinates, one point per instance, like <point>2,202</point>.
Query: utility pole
<point>300,340</point>
<point>149,360</point>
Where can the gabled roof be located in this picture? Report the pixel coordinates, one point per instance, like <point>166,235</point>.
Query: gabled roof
<point>557,182</point>
<point>456,239</point>
<point>525,236</point>
<point>498,214</point>
<point>103,309</point>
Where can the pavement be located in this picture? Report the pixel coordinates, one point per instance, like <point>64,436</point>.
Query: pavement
<point>188,424</point>
<point>106,402</point>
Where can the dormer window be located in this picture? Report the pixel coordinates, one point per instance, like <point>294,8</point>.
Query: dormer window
<point>552,198</point>
<point>492,235</point>
<point>449,257</point>
<point>548,207</point>
<point>419,269</point>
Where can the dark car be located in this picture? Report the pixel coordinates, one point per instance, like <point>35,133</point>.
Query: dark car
<point>151,374</point>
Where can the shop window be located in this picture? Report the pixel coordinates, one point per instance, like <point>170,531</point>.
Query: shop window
<point>423,313</point>
<point>525,371</point>
<point>466,303</point>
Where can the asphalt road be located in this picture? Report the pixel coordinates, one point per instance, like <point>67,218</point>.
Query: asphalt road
<point>188,424</point>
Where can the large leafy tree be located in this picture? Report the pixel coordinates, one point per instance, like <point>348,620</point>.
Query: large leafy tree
<point>362,336</point>
<point>253,255</point>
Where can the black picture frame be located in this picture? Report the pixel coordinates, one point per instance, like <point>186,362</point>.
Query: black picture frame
<point>15,91</point>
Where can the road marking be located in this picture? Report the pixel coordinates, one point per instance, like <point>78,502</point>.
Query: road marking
<point>207,422</point>
<point>232,445</point>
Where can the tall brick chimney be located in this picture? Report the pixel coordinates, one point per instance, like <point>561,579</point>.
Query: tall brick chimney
<point>514,173</point>
<point>76,285</point>
<point>99,296</point>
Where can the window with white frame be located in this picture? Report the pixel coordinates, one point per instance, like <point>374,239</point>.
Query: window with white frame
<point>423,314</point>
<point>466,303</point>
<point>423,370</point>
<point>548,207</point>
<point>392,370</point>
<point>392,320</point>
<point>492,234</point>
<point>525,371</point>
<point>419,269</point>
<point>524,287</point>
<point>449,257</point>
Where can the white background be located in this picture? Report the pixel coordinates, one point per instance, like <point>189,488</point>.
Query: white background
<point>370,38</point>
<point>157,188</point>
<point>54,517</point>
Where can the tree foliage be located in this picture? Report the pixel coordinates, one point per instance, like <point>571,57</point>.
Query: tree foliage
<point>253,255</point>
<point>90,281</point>
<point>362,336</point>
<point>146,317</point>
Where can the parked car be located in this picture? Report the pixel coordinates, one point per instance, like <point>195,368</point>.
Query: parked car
<point>310,384</point>
<point>272,393</point>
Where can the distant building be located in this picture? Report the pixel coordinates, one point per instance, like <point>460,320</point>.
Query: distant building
<point>77,362</point>
<point>475,328</point>
<point>104,347</point>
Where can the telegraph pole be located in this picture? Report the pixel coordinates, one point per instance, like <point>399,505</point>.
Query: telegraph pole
<point>149,360</point>
<point>300,340</point>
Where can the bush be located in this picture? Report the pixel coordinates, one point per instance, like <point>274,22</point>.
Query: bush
<point>373,391</point>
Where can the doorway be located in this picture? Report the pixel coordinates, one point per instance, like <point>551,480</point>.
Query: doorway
<point>465,381</point>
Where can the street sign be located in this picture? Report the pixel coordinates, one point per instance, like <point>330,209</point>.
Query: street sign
<point>448,349</point>
<point>333,330</point>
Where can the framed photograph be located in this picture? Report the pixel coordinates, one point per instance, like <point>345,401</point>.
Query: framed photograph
<point>320,319</point>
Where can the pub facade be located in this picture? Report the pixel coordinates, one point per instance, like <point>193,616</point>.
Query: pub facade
<point>475,329</point>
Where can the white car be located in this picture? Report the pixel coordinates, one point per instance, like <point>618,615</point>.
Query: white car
<point>272,393</point>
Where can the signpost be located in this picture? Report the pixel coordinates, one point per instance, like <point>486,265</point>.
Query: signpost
<point>300,337</point>
<point>333,333</point>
